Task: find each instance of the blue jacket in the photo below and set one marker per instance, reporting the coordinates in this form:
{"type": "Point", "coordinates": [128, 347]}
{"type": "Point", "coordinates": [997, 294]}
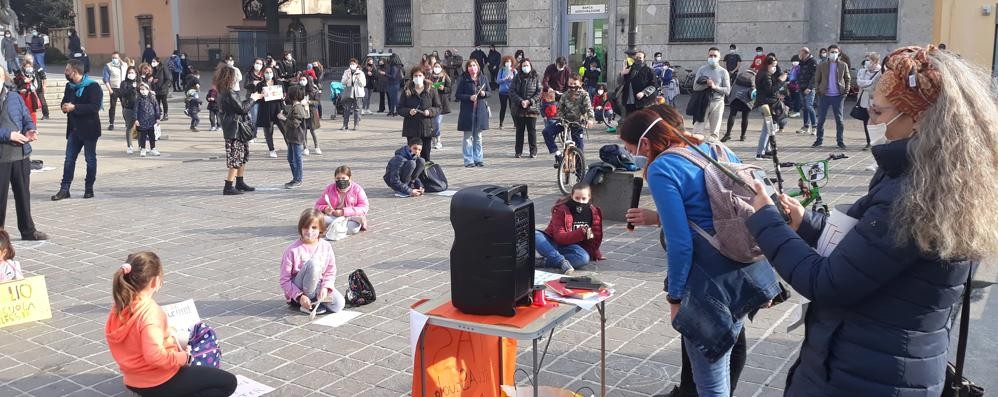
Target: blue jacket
{"type": "Point", "coordinates": [393, 172]}
{"type": "Point", "coordinates": [18, 112]}
{"type": "Point", "coordinates": [147, 112]}
{"type": "Point", "coordinates": [503, 82]}
{"type": "Point", "coordinates": [471, 112]}
{"type": "Point", "coordinates": [879, 320]}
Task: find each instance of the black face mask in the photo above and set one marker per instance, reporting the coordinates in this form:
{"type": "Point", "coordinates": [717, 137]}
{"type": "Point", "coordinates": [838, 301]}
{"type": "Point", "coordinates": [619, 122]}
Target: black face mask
{"type": "Point", "coordinates": [342, 184]}
{"type": "Point", "coordinates": [577, 207]}
{"type": "Point", "coordinates": [69, 77]}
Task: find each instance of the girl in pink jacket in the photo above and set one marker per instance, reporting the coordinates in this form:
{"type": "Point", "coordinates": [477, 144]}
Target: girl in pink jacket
{"type": "Point", "coordinates": [308, 269]}
{"type": "Point", "coordinates": [345, 205]}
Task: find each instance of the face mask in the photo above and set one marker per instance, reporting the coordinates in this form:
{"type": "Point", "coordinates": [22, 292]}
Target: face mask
{"type": "Point", "coordinates": [115, 61]}
{"type": "Point", "coordinates": [509, 65]}
{"type": "Point", "coordinates": [823, 56]}
{"type": "Point", "coordinates": [437, 70]}
{"type": "Point", "coordinates": [155, 64]}
{"type": "Point", "coordinates": [639, 160]}
{"type": "Point", "coordinates": [525, 69]}
{"type": "Point", "coordinates": [143, 92]}
{"type": "Point", "coordinates": [577, 207]}
{"type": "Point", "coordinates": [732, 50]}
{"type": "Point", "coordinates": [772, 70]}
{"type": "Point", "coordinates": [712, 61]}
{"type": "Point", "coordinates": [34, 33]}
{"type": "Point", "coordinates": [183, 57]}
{"type": "Point", "coordinates": [560, 68]}
{"type": "Point", "coordinates": [658, 59]}
{"type": "Point", "coordinates": [878, 132]}
{"type": "Point", "coordinates": [311, 234]}
{"type": "Point", "coordinates": [303, 82]}
{"type": "Point", "coordinates": [599, 92]}
{"type": "Point", "coordinates": [574, 88]}
{"type": "Point", "coordinates": [29, 70]}
{"type": "Point", "coordinates": [639, 61]}
{"type": "Point", "coordinates": [417, 80]}
{"type": "Point", "coordinates": [353, 66]}
{"type": "Point", "coordinates": [288, 57]}
{"type": "Point", "coordinates": [6, 35]}
{"type": "Point", "coordinates": [131, 76]}
{"type": "Point", "coordinates": [795, 63]}
{"type": "Point", "coordinates": [342, 184]}
{"type": "Point", "coordinates": [268, 76]}
{"type": "Point", "coordinates": [257, 66]}
{"type": "Point", "coordinates": [758, 53]}
{"type": "Point", "coordinates": [833, 56]}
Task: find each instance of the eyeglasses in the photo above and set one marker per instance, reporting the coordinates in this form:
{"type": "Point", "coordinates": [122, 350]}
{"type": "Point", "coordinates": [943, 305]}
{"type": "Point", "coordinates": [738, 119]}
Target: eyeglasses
{"type": "Point", "coordinates": [574, 87]}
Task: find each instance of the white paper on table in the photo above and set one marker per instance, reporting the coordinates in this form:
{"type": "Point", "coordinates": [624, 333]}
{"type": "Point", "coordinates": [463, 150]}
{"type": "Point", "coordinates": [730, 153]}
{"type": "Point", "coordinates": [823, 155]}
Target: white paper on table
{"type": "Point", "coordinates": [417, 321]}
{"type": "Point", "coordinates": [586, 304]}
{"type": "Point", "coordinates": [182, 317]}
{"type": "Point", "coordinates": [446, 193]}
{"type": "Point", "coordinates": [246, 387]}
{"type": "Point", "coordinates": [541, 277]}
{"type": "Point", "coordinates": [837, 226]}
{"type": "Point", "coordinates": [336, 319]}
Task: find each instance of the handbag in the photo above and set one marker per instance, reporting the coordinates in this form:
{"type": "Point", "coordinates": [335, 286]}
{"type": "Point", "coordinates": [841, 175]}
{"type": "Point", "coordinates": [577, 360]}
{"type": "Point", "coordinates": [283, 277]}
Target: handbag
{"type": "Point", "coordinates": [158, 131]}
{"type": "Point", "coordinates": [859, 112]}
{"type": "Point", "coordinates": [244, 130]}
{"type": "Point", "coordinates": [360, 291]}
{"type": "Point", "coordinates": [956, 385]}
{"type": "Point", "coordinates": [433, 178]}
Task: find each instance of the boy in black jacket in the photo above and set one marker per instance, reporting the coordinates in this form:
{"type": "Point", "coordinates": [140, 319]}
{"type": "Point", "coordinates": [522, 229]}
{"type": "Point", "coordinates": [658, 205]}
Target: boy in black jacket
{"type": "Point", "coordinates": [403, 171]}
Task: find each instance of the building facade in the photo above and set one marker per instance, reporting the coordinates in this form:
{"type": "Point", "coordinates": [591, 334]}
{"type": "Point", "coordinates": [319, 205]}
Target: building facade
{"type": "Point", "coordinates": [682, 30]}
{"type": "Point", "coordinates": [969, 27]}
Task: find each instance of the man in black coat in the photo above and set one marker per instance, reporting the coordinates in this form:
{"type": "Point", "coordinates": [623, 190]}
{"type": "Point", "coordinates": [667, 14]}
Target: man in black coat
{"type": "Point", "coordinates": [81, 103]}
{"type": "Point", "coordinates": [495, 58]}
{"type": "Point", "coordinates": [641, 84]}
{"type": "Point", "coordinates": [479, 56]}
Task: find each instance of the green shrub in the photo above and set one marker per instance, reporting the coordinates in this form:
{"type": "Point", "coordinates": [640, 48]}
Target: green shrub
{"type": "Point", "coordinates": [53, 55]}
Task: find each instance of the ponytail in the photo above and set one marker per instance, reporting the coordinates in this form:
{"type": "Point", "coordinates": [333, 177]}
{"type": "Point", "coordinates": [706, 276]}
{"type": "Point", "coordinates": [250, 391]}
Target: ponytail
{"type": "Point", "coordinates": [133, 277]}
{"type": "Point", "coordinates": [122, 291]}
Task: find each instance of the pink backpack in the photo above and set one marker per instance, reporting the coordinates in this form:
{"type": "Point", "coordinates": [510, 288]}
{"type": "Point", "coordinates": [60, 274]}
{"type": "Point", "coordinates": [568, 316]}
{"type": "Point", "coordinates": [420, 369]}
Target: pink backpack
{"type": "Point", "coordinates": [730, 203]}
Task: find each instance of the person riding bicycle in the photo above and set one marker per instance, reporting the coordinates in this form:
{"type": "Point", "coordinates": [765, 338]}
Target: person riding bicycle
{"type": "Point", "coordinates": [574, 107]}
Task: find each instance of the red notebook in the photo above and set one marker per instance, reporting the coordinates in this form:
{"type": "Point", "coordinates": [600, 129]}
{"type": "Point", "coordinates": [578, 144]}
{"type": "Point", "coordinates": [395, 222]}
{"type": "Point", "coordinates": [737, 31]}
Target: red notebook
{"type": "Point", "coordinates": [560, 288]}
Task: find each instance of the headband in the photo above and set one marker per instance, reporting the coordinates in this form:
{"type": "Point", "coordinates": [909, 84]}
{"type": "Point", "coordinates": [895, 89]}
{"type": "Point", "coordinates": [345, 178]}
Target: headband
{"type": "Point", "coordinates": [910, 81]}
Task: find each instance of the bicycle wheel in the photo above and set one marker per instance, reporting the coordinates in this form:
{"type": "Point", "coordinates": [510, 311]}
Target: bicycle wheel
{"type": "Point", "coordinates": [610, 120]}
{"type": "Point", "coordinates": [571, 170]}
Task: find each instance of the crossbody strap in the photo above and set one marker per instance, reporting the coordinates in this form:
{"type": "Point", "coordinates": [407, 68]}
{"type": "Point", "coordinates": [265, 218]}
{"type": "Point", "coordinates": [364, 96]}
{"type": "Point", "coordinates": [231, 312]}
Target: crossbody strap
{"type": "Point", "coordinates": [961, 347]}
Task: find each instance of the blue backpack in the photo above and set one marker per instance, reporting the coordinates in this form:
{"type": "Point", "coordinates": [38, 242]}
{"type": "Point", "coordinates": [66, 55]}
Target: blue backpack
{"type": "Point", "coordinates": [204, 346]}
{"type": "Point", "coordinates": [615, 156]}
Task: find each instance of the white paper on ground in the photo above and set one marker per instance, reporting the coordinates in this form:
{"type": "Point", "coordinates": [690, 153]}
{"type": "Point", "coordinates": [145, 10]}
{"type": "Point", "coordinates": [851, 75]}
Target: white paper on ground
{"type": "Point", "coordinates": [336, 319]}
{"type": "Point", "coordinates": [43, 169]}
{"type": "Point", "coordinates": [247, 387]}
{"type": "Point", "coordinates": [837, 226]}
{"type": "Point", "coordinates": [446, 193]}
{"type": "Point", "coordinates": [417, 321]}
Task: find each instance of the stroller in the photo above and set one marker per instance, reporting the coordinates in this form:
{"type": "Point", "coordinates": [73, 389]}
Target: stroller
{"type": "Point", "coordinates": [335, 93]}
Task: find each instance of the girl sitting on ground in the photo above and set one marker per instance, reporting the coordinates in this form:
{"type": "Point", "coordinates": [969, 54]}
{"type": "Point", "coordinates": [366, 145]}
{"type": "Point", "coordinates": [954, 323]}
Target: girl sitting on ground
{"type": "Point", "coordinates": [151, 360]}
{"type": "Point", "coordinates": [345, 205]}
{"type": "Point", "coordinates": [308, 268]}
{"type": "Point", "coordinates": [10, 269]}
{"type": "Point", "coordinates": [574, 235]}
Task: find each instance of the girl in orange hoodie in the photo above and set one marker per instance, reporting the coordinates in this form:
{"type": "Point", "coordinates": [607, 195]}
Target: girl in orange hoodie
{"type": "Point", "coordinates": [152, 361]}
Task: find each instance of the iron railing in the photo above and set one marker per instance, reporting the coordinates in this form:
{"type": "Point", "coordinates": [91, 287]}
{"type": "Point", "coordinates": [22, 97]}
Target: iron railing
{"type": "Point", "coordinates": [869, 20]}
{"type": "Point", "coordinates": [692, 21]}
{"type": "Point", "coordinates": [398, 22]}
{"type": "Point", "coordinates": [245, 46]}
{"type": "Point", "coordinates": [490, 22]}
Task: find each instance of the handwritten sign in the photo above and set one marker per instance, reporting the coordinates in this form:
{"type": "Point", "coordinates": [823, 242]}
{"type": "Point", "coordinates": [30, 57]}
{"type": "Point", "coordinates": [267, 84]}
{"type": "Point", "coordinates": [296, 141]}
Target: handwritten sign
{"type": "Point", "coordinates": [182, 317]}
{"type": "Point", "coordinates": [273, 93]}
{"type": "Point", "coordinates": [23, 301]}
{"type": "Point", "coordinates": [246, 387]}
{"type": "Point", "coordinates": [836, 227]}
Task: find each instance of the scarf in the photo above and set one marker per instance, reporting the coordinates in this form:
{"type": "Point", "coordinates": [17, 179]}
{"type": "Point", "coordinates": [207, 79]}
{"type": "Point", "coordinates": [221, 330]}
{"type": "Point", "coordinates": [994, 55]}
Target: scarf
{"type": "Point", "coordinates": [83, 84]}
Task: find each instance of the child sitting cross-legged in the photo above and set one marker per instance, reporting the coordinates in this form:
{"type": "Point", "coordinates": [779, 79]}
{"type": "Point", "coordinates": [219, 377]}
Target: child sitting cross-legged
{"type": "Point", "coordinates": [345, 205]}
{"type": "Point", "coordinates": [308, 268]}
{"type": "Point", "coordinates": [574, 235]}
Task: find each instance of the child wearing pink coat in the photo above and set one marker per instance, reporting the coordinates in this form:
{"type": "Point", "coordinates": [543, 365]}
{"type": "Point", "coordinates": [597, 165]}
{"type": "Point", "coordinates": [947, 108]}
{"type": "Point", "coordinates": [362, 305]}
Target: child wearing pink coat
{"type": "Point", "coordinates": [308, 269]}
{"type": "Point", "coordinates": [344, 204]}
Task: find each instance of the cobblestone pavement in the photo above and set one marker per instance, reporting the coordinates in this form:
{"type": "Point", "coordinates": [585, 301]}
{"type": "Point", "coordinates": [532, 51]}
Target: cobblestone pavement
{"type": "Point", "coordinates": [224, 253]}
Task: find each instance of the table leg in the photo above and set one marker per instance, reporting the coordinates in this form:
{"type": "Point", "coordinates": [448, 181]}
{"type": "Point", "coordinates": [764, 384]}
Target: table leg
{"type": "Point", "coordinates": [537, 371]}
{"type": "Point", "coordinates": [422, 361]}
{"type": "Point", "coordinates": [602, 348]}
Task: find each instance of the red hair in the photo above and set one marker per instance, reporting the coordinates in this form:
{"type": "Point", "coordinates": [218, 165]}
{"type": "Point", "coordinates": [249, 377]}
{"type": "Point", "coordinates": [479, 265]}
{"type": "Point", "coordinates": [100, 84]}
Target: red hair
{"type": "Point", "coordinates": [662, 136]}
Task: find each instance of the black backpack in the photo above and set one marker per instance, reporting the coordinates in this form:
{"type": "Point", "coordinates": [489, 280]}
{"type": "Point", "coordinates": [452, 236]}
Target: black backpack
{"type": "Point", "coordinates": [433, 178]}
{"type": "Point", "coordinates": [360, 291]}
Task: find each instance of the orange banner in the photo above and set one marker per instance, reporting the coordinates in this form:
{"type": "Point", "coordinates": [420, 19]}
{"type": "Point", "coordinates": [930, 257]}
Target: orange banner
{"type": "Point", "coordinates": [460, 363]}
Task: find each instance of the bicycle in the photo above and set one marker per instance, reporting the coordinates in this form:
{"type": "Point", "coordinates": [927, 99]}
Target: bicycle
{"type": "Point", "coordinates": [608, 117]}
{"type": "Point", "coordinates": [686, 83]}
{"type": "Point", "coordinates": [813, 175]}
{"type": "Point", "coordinates": [573, 161]}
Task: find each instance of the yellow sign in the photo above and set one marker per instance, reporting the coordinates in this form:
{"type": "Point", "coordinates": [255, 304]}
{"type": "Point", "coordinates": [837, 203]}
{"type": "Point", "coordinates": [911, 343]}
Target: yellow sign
{"type": "Point", "coordinates": [23, 301]}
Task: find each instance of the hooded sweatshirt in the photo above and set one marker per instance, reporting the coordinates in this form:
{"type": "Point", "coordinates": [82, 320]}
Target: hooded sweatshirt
{"type": "Point", "coordinates": [141, 344]}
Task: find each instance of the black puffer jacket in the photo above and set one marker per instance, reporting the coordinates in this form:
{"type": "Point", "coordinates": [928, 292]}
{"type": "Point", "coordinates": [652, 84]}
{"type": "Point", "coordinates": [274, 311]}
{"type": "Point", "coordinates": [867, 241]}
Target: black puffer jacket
{"type": "Point", "coordinates": [767, 89]}
{"type": "Point", "coordinates": [805, 78]}
{"type": "Point", "coordinates": [164, 80]}
{"type": "Point", "coordinates": [419, 125]}
{"type": "Point", "coordinates": [525, 87]}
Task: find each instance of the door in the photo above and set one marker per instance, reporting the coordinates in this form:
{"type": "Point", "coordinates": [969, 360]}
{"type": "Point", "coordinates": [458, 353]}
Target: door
{"type": "Point", "coordinates": [145, 31]}
{"type": "Point", "coordinates": [344, 43]}
{"type": "Point", "coordinates": [586, 26]}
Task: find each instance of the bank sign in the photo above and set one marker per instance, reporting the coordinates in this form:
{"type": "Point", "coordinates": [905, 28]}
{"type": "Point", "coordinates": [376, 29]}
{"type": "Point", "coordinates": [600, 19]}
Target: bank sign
{"type": "Point", "coordinates": [587, 9]}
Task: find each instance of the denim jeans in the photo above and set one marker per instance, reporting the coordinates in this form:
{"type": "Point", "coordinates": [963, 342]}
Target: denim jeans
{"type": "Point", "coordinates": [834, 102]}
{"type": "Point", "coordinates": [553, 254]}
{"type": "Point", "coordinates": [13, 65]}
{"type": "Point", "coordinates": [437, 122]}
{"type": "Point", "coordinates": [713, 378]}
{"type": "Point", "coordinates": [295, 161]}
{"type": "Point", "coordinates": [472, 150]}
{"type": "Point", "coordinates": [75, 144]}
{"type": "Point", "coordinates": [393, 97]}
{"type": "Point", "coordinates": [768, 127]}
{"type": "Point", "coordinates": [808, 110]}
{"type": "Point", "coordinates": [367, 99]}
{"type": "Point", "coordinates": [551, 132]}
{"type": "Point", "coordinates": [39, 60]}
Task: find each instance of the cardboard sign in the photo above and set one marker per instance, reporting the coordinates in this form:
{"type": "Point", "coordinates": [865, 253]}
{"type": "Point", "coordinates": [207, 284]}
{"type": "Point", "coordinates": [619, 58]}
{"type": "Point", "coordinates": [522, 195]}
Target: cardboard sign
{"type": "Point", "coordinates": [273, 93]}
{"type": "Point", "coordinates": [182, 317]}
{"type": "Point", "coordinates": [23, 301]}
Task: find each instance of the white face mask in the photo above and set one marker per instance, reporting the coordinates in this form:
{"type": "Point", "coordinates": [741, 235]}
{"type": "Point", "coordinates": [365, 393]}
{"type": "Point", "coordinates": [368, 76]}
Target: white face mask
{"type": "Point", "coordinates": [268, 76]}
{"type": "Point", "coordinates": [257, 66]}
{"type": "Point", "coordinates": [795, 63]}
{"type": "Point", "coordinates": [155, 64]}
{"type": "Point", "coordinates": [772, 70]}
{"type": "Point", "coordinates": [311, 234]}
{"type": "Point", "coordinates": [353, 66]}
{"type": "Point", "coordinates": [29, 70]}
{"type": "Point", "coordinates": [437, 70]}
{"type": "Point", "coordinates": [131, 76]}
{"type": "Point", "coordinates": [833, 56]}
{"type": "Point", "coordinates": [731, 50]}
{"type": "Point", "coordinates": [640, 160]}
{"type": "Point", "coordinates": [230, 63]}
{"type": "Point", "coordinates": [712, 61]}
{"type": "Point", "coordinates": [758, 53]}
{"type": "Point", "coordinates": [878, 132]}
{"type": "Point", "coordinates": [599, 92]}
{"type": "Point", "coordinates": [417, 80]}
{"type": "Point", "coordinates": [303, 82]}
{"type": "Point", "coordinates": [526, 69]}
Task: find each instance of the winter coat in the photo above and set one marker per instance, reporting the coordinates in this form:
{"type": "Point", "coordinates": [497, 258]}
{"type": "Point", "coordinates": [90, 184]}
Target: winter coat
{"type": "Point", "coordinates": [392, 172]}
{"type": "Point", "coordinates": [85, 120]}
{"type": "Point", "coordinates": [127, 94]}
{"type": "Point", "coordinates": [879, 319]}
{"type": "Point", "coordinates": [560, 230]}
{"type": "Point", "coordinates": [294, 126]}
{"type": "Point", "coordinates": [420, 125]}
{"type": "Point", "coordinates": [288, 69]}
{"type": "Point", "coordinates": [212, 100]}
{"type": "Point", "coordinates": [505, 78]}
{"type": "Point", "coordinates": [15, 108]}
{"type": "Point", "coordinates": [525, 86]}
{"type": "Point", "coordinates": [147, 112]}
{"type": "Point", "coordinates": [767, 89]}
{"type": "Point", "coordinates": [10, 49]}
{"type": "Point", "coordinates": [393, 76]}
{"type": "Point", "coordinates": [37, 45]}
{"type": "Point", "coordinates": [164, 80]}
{"type": "Point", "coordinates": [554, 79]}
{"type": "Point", "coordinates": [174, 64]}
{"type": "Point", "coordinates": [74, 45]}
{"type": "Point", "coordinates": [805, 78]}
{"type": "Point", "coordinates": [576, 107]}
{"type": "Point", "coordinates": [867, 82]}
{"type": "Point", "coordinates": [477, 112]}
{"type": "Point", "coordinates": [266, 113]}
{"type": "Point", "coordinates": [231, 110]}
{"type": "Point", "coordinates": [354, 83]}
{"type": "Point", "coordinates": [443, 92]}
{"type": "Point", "coordinates": [642, 79]}
{"type": "Point", "coordinates": [252, 80]}
{"type": "Point", "coordinates": [355, 203]}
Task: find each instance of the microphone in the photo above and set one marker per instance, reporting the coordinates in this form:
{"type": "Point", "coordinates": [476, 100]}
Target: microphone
{"type": "Point", "coordinates": [638, 183]}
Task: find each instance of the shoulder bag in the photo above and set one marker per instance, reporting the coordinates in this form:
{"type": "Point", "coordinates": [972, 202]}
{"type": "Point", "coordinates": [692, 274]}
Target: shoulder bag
{"type": "Point", "coordinates": [956, 385]}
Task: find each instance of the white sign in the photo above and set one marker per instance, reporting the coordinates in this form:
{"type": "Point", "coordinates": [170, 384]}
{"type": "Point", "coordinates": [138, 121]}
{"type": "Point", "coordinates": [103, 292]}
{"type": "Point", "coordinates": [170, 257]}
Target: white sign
{"type": "Point", "coordinates": [587, 9]}
{"type": "Point", "coordinates": [182, 317]}
{"type": "Point", "coordinates": [836, 227]}
{"type": "Point", "coordinates": [246, 387]}
{"type": "Point", "coordinates": [337, 319]}
{"type": "Point", "coordinates": [273, 93]}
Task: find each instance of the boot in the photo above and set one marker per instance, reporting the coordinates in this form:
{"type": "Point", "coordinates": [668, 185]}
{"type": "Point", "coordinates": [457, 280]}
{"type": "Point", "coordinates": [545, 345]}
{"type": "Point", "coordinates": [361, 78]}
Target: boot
{"type": "Point", "coordinates": [229, 190]}
{"type": "Point", "coordinates": [242, 186]}
{"type": "Point", "coordinates": [742, 138]}
{"type": "Point", "coordinates": [726, 137]}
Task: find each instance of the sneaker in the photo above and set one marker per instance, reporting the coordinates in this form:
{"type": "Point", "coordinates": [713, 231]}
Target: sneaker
{"type": "Point", "coordinates": [566, 267]}
{"type": "Point", "coordinates": [472, 165]}
{"type": "Point", "coordinates": [129, 150]}
{"type": "Point", "coordinates": [867, 147]}
{"type": "Point", "coordinates": [87, 194]}
{"type": "Point", "coordinates": [142, 153]}
{"type": "Point", "coordinates": [317, 150]}
{"type": "Point", "coordinates": [803, 130]}
{"type": "Point", "coordinates": [292, 185]}
{"type": "Point", "coordinates": [273, 154]}
{"type": "Point", "coordinates": [794, 115]}
{"type": "Point", "coordinates": [438, 146]}
{"type": "Point", "coordinates": [557, 161]}
{"type": "Point", "coordinates": [110, 127]}
{"type": "Point", "coordinates": [479, 164]}
{"type": "Point", "coordinates": [816, 144]}
{"type": "Point", "coordinates": [320, 309]}
{"type": "Point", "coordinates": [35, 236]}
{"type": "Point", "coordinates": [154, 152]}
{"type": "Point", "coordinates": [195, 129]}
{"type": "Point", "coordinates": [813, 131]}
{"type": "Point", "coordinates": [400, 195]}
{"type": "Point", "coordinates": [306, 152]}
{"type": "Point", "coordinates": [842, 146]}
{"type": "Point", "coordinates": [760, 157]}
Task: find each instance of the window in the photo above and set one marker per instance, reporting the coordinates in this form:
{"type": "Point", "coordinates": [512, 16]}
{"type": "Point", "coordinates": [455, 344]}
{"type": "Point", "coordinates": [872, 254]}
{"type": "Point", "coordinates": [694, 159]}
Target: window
{"type": "Point", "coordinates": [398, 22]}
{"type": "Point", "coordinates": [692, 20]}
{"type": "Point", "coordinates": [869, 20]}
{"type": "Point", "coordinates": [490, 22]}
{"type": "Point", "coordinates": [91, 22]}
{"type": "Point", "coordinates": [105, 21]}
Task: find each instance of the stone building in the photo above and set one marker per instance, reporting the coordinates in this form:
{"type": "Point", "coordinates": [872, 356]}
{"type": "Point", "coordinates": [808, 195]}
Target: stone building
{"type": "Point", "coordinates": [681, 29]}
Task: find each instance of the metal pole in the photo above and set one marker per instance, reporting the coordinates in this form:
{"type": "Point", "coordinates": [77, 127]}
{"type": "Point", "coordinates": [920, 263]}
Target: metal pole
{"type": "Point", "coordinates": [632, 26]}
{"type": "Point", "coordinates": [274, 45]}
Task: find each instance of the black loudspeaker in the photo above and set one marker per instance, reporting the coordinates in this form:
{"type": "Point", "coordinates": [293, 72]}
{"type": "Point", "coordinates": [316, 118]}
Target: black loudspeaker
{"type": "Point", "coordinates": [492, 260]}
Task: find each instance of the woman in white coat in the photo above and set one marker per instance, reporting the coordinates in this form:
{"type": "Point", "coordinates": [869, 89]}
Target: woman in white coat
{"type": "Point", "coordinates": [353, 82]}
